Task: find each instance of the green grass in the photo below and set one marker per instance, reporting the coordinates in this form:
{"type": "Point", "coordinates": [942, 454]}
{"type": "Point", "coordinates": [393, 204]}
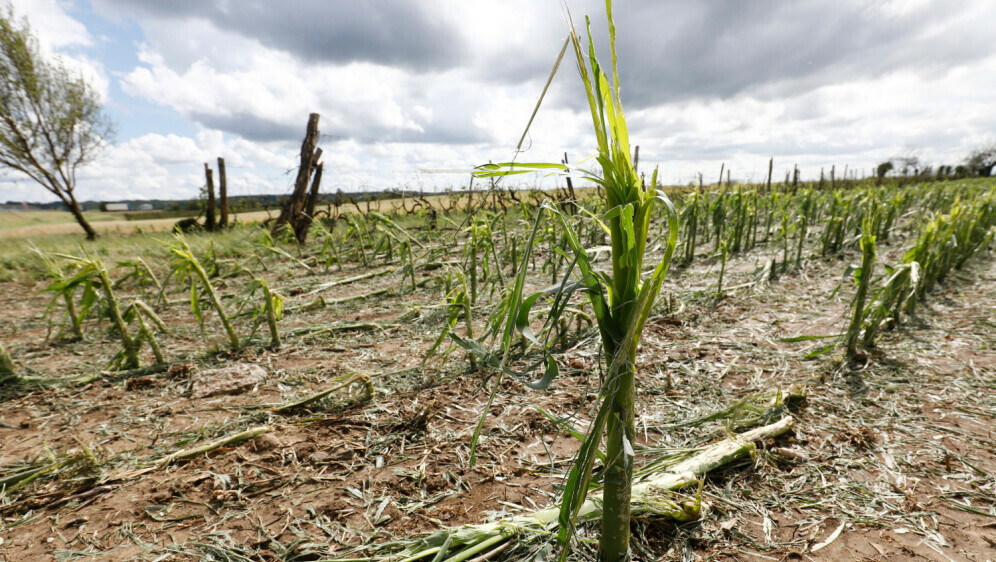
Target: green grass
{"type": "Point", "coordinates": [10, 220]}
{"type": "Point", "coordinates": [18, 261]}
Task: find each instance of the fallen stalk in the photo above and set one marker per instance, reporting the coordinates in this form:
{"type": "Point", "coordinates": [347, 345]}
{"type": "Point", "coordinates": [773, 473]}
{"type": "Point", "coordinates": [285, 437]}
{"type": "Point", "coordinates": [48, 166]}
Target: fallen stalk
{"type": "Point", "coordinates": [175, 302]}
{"type": "Point", "coordinates": [192, 453]}
{"type": "Point", "coordinates": [348, 280]}
{"type": "Point", "coordinates": [188, 454]}
{"type": "Point", "coordinates": [347, 381]}
{"type": "Point", "coordinates": [649, 496]}
{"type": "Point", "coordinates": [18, 479]}
{"type": "Point", "coordinates": [330, 329]}
{"type": "Point", "coordinates": [322, 303]}
{"type": "Point", "coordinates": [85, 379]}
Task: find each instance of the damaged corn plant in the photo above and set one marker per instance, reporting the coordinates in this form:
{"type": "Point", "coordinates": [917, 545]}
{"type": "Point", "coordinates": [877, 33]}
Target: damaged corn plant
{"type": "Point", "coordinates": [271, 310]}
{"type": "Point", "coordinates": [66, 293]}
{"type": "Point", "coordinates": [526, 537]}
{"type": "Point", "coordinates": [90, 273]}
{"type": "Point", "coordinates": [621, 300]}
{"type": "Point", "coordinates": [945, 243]}
{"type": "Point", "coordinates": [187, 266]}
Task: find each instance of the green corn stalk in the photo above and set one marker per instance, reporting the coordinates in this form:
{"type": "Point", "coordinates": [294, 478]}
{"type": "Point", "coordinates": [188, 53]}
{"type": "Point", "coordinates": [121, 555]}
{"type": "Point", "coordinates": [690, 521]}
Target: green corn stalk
{"type": "Point", "coordinates": [140, 272]}
{"type": "Point", "coordinates": [75, 318]}
{"type": "Point", "coordinates": [137, 311]}
{"type": "Point", "coordinates": [947, 241]}
{"type": "Point", "coordinates": [66, 292]}
{"type": "Point", "coordinates": [272, 309]}
{"type": "Point", "coordinates": [453, 307]}
{"type": "Point", "coordinates": [827, 237]}
{"type": "Point", "coordinates": [489, 237]}
{"type": "Point", "coordinates": [185, 264]}
{"type": "Point", "coordinates": [471, 249]}
{"type": "Point", "coordinates": [468, 316]}
{"type": "Point", "coordinates": [409, 259]}
{"type": "Point", "coordinates": [552, 258]}
{"type": "Point", "coordinates": [6, 362]}
{"type": "Point", "coordinates": [360, 233]}
{"type": "Point", "coordinates": [837, 225]}
{"type": "Point", "coordinates": [900, 286]}
{"type": "Point", "coordinates": [769, 206]}
{"type": "Point", "coordinates": [802, 225]}
{"type": "Point", "coordinates": [802, 228]}
{"type": "Point", "coordinates": [862, 277]}
{"type": "Point", "coordinates": [499, 223]}
{"type": "Point", "coordinates": [145, 333]}
{"type": "Point", "coordinates": [786, 214]}
{"type": "Point", "coordinates": [895, 208]}
{"type": "Point", "coordinates": [130, 345]}
{"type": "Point", "coordinates": [691, 227]}
{"type": "Point", "coordinates": [740, 220]}
{"type": "Point", "coordinates": [90, 271]}
{"type": "Point", "coordinates": [723, 254]}
{"type": "Point", "coordinates": [455, 302]}
{"type": "Point", "coordinates": [752, 233]}
{"type": "Point", "coordinates": [718, 216]}
{"type": "Point", "coordinates": [330, 249]}
{"type": "Point", "coordinates": [405, 241]}
{"type": "Point", "coordinates": [621, 302]}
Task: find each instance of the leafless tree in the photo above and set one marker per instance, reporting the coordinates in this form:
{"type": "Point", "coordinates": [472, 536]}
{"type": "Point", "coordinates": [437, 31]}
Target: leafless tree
{"type": "Point", "coordinates": [982, 160]}
{"type": "Point", "coordinates": [909, 160]}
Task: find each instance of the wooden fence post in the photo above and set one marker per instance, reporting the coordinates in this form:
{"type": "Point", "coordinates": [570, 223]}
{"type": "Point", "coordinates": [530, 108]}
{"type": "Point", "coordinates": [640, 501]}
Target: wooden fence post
{"type": "Point", "coordinates": [222, 193]}
{"type": "Point", "coordinates": [295, 203]}
{"type": "Point", "coordinates": [209, 222]}
{"type": "Point", "coordinates": [304, 223]}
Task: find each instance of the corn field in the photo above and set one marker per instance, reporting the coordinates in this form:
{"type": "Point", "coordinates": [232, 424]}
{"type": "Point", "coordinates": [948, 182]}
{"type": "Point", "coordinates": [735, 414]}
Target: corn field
{"type": "Point", "coordinates": [495, 296]}
{"type": "Point", "coordinates": [611, 370]}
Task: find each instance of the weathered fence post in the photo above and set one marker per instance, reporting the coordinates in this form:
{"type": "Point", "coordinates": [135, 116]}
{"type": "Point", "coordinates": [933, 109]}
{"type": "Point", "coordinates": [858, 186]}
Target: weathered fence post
{"type": "Point", "coordinates": [222, 194]}
{"type": "Point", "coordinates": [304, 222]}
{"type": "Point", "coordinates": [295, 203]}
{"type": "Point", "coordinates": [209, 222]}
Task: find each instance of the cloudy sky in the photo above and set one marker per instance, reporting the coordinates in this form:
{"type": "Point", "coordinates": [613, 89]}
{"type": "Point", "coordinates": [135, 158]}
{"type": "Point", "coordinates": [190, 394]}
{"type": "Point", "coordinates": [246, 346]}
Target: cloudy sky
{"type": "Point", "coordinates": [404, 86]}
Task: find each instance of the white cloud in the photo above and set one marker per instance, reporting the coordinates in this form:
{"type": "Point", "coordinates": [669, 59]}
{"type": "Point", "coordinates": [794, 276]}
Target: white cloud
{"type": "Point", "coordinates": [906, 73]}
{"type": "Point", "coordinates": [274, 93]}
{"type": "Point", "coordinates": [54, 28]}
{"type": "Point", "coordinates": [858, 123]}
{"type": "Point", "coordinates": [170, 167]}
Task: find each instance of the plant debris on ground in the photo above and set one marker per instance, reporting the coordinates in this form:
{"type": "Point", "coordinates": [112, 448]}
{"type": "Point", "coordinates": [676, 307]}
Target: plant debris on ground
{"type": "Point", "coordinates": [350, 440]}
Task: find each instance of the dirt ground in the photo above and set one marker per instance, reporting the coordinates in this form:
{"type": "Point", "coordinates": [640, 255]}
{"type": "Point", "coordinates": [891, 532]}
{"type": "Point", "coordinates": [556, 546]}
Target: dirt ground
{"type": "Point", "coordinates": [893, 459]}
